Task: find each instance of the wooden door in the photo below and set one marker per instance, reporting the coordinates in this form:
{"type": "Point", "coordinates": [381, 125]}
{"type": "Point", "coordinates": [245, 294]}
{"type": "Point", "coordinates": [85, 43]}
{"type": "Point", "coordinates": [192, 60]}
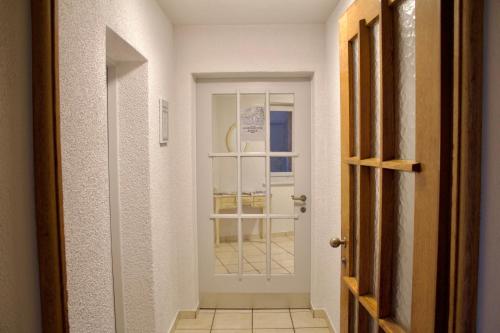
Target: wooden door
{"type": "Point", "coordinates": [392, 148]}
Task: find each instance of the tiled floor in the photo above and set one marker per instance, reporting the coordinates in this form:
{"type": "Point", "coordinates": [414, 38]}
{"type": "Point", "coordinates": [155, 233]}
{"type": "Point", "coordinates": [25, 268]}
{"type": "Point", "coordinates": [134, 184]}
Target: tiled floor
{"type": "Point", "coordinates": [254, 256]}
{"type": "Point", "coordinates": [253, 321]}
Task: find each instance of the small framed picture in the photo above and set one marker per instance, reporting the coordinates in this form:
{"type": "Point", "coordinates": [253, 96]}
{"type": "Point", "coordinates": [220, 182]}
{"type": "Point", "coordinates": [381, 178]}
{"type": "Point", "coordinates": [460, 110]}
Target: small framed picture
{"type": "Point", "coordinates": [163, 121]}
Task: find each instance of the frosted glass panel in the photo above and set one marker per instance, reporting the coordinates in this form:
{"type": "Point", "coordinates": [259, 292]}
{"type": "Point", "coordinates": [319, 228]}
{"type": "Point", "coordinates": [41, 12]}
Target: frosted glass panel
{"type": "Point", "coordinates": [355, 219]}
{"type": "Point", "coordinates": [404, 23]}
{"type": "Point", "coordinates": [403, 247]}
{"type": "Point", "coordinates": [375, 221]}
{"type": "Point", "coordinates": [404, 75]}
{"type": "Point", "coordinates": [224, 123]}
{"type": "Point", "coordinates": [355, 87]}
{"type": "Point", "coordinates": [375, 89]}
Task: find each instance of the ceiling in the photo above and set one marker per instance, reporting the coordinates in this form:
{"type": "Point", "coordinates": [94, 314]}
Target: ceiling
{"type": "Point", "coordinates": [247, 11]}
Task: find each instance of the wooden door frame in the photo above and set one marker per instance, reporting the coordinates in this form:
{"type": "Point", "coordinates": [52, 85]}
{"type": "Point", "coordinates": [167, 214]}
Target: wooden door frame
{"type": "Point", "coordinates": [47, 166]}
{"type": "Point", "coordinates": [449, 104]}
{"type": "Point", "coordinates": [463, 162]}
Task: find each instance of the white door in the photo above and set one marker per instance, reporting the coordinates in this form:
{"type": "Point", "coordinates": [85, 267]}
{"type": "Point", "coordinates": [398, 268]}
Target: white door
{"type": "Point", "coordinates": [253, 139]}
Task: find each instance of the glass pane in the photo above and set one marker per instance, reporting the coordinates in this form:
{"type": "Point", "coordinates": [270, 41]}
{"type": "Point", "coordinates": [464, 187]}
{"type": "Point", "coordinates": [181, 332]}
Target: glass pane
{"type": "Point", "coordinates": [224, 123]}
{"type": "Point", "coordinates": [404, 75]}
{"type": "Point", "coordinates": [281, 140]}
{"type": "Point", "coordinates": [254, 246]}
{"type": "Point", "coordinates": [253, 121]}
{"type": "Point", "coordinates": [282, 246]}
{"type": "Point", "coordinates": [281, 118]}
{"type": "Point", "coordinates": [375, 89]}
{"type": "Point", "coordinates": [403, 248]}
{"type": "Point", "coordinates": [253, 185]}
{"type": "Point", "coordinates": [355, 218]}
{"type": "Point", "coordinates": [375, 220]}
{"type": "Point", "coordinates": [226, 246]}
{"type": "Point", "coordinates": [225, 184]}
{"type": "Point", "coordinates": [404, 53]}
{"type": "Point", "coordinates": [282, 189]}
{"type": "Point", "coordinates": [355, 89]}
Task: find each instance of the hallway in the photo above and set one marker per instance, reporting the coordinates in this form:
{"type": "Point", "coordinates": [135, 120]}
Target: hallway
{"type": "Point", "coordinates": [249, 166]}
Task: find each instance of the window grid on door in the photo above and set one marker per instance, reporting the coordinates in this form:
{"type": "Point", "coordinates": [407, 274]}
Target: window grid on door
{"type": "Point", "coordinates": [373, 308]}
{"type": "Point", "coordinates": [239, 155]}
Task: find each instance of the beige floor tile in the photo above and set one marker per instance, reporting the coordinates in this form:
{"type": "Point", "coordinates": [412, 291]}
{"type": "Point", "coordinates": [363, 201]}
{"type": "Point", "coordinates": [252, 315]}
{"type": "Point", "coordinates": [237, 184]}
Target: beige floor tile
{"type": "Point", "coordinates": [252, 251]}
{"type": "Point", "coordinates": [192, 331]}
{"type": "Point", "coordinates": [202, 321]}
{"type": "Point", "coordinates": [305, 319]}
{"type": "Point", "coordinates": [220, 270]}
{"type": "Point", "coordinates": [229, 260]}
{"type": "Point", "coordinates": [232, 320]}
{"type": "Point", "coordinates": [273, 330]}
{"type": "Point", "coordinates": [279, 270]}
{"type": "Point", "coordinates": [231, 331]}
{"type": "Point", "coordinates": [300, 310]}
{"type": "Point", "coordinates": [232, 268]}
{"type": "Point", "coordinates": [234, 310]}
{"type": "Point", "coordinates": [272, 320]}
{"type": "Point", "coordinates": [258, 258]}
{"type": "Point", "coordinates": [270, 310]}
{"type": "Point", "coordinates": [312, 330]}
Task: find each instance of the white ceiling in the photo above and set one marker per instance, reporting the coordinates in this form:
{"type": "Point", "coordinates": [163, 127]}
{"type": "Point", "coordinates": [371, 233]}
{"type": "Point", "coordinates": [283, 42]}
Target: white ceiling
{"type": "Point", "coordinates": [247, 11]}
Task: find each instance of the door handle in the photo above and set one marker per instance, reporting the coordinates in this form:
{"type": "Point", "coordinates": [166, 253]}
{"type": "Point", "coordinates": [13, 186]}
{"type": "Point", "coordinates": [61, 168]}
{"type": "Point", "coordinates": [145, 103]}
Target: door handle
{"type": "Point", "coordinates": [302, 198]}
{"type": "Point", "coordinates": [336, 242]}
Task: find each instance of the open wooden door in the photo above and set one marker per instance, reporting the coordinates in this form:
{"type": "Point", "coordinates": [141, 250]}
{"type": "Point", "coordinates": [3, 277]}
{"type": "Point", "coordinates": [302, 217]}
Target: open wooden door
{"type": "Point", "coordinates": [395, 188]}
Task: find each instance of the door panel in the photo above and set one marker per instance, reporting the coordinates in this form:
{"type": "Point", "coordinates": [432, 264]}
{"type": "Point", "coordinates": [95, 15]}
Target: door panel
{"type": "Point", "coordinates": [381, 136]}
{"type": "Point", "coordinates": [253, 165]}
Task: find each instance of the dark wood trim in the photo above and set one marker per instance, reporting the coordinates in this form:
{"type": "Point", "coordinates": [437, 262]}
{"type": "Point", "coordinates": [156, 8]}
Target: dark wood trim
{"type": "Point", "coordinates": [47, 166]}
{"type": "Point", "coordinates": [466, 164]}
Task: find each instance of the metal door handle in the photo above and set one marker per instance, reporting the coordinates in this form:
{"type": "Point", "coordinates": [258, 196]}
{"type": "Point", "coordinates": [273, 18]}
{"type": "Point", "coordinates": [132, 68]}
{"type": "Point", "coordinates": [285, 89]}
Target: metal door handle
{"type": "Point", "coordinates": [302, 198]}
{"type": "Point", "coordinates": [336, 242]}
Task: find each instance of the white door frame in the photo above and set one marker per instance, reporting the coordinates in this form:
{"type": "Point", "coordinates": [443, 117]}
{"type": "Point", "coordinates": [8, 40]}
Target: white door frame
{"type": "Point", "coordinates": [211, 284]}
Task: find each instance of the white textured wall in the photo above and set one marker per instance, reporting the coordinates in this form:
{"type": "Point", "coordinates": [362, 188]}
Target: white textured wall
{"type": "Point", "coordinates": [327, 284]}
{"type": "Point", "coordinates": [259, 48]}
{"type": "Point", "coordinates": [19, 291]}
{"type": "Point", "coordinates": [488, 309]}
{"type": "Point", "coordinates": [85, 167]}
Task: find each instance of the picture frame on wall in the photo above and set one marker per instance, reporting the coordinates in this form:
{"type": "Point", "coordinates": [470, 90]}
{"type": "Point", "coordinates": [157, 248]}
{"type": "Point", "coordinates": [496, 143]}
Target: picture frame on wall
{"type": "Point", "coordinates": [163, 121]}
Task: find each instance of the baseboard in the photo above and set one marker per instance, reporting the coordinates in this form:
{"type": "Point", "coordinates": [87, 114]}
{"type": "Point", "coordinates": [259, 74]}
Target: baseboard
{"type": "Point", "coordinates": [183, 314]}
{"type": "Point", "coordinates": [321, 313]}
{"type": "Point", "coordinates": [254, 300]}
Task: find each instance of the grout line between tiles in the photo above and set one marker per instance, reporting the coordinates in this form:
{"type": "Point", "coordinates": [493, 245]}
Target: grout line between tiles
{"type": "Point", "coordinates": [213, 320]}
{"type": "Point", "coordinates": [291, 319]}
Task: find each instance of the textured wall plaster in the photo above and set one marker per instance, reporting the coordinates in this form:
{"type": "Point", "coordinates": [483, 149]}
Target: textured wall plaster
{"type": "Point", "coordinates": [326, 286]}
{"type": "Point", "coordinates": [150, 271]}
{"type": "Point", "coordinates": [19, 291]}
{"type": "Point", "coordinates": [257, 48]}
